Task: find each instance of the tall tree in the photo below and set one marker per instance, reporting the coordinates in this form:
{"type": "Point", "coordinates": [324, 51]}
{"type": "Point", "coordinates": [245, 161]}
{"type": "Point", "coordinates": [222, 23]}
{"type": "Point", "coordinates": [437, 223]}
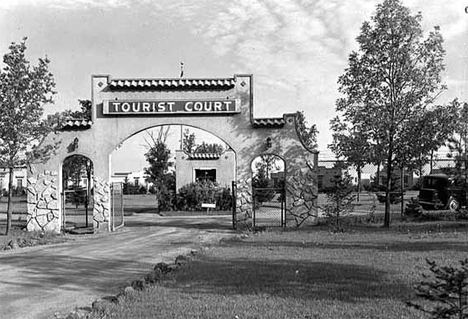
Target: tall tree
{"type": "Point", "coordinates": [158, 157]}
{"type": "Point", "coordinates": [391, 81]}
{"type": "Point", "coordinates": [24, 90]}
{"type": "Point", "coordinates": [188, 141]}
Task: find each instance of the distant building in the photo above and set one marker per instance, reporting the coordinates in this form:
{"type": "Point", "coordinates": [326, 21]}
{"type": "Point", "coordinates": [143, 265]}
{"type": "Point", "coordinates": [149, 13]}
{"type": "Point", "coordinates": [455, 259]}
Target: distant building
{"type": "Point", "coordinates": [19, 179]}
{"type": "Point", "coordinates": [408, 177]}
{"type": "Point", "coordinates": [201, 166]}
{"type": "Point", "coordinates": [325, 176]}
{"type": "Point", "coordinates": [136, 179]}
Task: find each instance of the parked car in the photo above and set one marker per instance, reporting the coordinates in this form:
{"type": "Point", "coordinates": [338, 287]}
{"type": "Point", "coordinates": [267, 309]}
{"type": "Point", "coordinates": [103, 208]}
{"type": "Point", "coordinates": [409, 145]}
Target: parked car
{"type": "Point", "coordinates": [439, 191]}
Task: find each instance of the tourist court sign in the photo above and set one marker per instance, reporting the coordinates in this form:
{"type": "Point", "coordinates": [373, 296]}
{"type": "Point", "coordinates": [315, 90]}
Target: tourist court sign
{"type": "Point", "coordinates": [171, 107]}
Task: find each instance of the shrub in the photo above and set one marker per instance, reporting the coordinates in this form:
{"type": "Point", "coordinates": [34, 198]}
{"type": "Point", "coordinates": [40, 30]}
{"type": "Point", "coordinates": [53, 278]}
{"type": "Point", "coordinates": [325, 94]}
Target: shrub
{"type": "Point", "coordinates": [447, 291]}
{"type": "Point", "coordinates": [191, 196]}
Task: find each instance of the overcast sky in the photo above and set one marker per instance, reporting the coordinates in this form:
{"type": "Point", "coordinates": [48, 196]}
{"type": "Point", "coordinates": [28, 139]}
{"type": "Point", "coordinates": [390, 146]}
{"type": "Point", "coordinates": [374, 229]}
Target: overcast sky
{"type": "Point", "coordinates": [296, 49]}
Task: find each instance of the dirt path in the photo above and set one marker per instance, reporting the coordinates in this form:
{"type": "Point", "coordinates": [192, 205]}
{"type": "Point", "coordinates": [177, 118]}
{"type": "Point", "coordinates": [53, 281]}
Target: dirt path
{"type": "Point", "coordinates": [39, 281]}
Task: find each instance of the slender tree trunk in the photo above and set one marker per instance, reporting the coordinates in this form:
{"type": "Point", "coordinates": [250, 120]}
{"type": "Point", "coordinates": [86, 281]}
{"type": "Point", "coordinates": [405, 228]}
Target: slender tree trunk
{"type": "Point", "coordinates": [402, 189]}
{"type": "Point", "coordinates": [389, 186]}
{"type": "Point", "coordinates": [359, 171]}
{"type": "Point", "coordinates": [377, 182]}
{"type": "Point", "coordinates": [431, 164]}
{"type": "Point", "coordinates": [9, 204]}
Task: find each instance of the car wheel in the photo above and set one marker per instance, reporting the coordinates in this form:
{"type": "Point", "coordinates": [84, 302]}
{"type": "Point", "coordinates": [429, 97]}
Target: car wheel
{"type": "Point", "coordinates": [453, 204]}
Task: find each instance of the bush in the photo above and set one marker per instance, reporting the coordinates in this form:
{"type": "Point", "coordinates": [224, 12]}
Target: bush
{"type": "Point", "coordinates": [446, 290]}
{"type": "Point", "coordinates": [191, 196]}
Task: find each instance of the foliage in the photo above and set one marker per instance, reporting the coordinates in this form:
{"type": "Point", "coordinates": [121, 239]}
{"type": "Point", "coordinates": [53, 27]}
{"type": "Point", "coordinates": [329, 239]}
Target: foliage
{"type": "Point", "coordinates": [447, 291]}
{"type": "Point", "coordinates": [188, 141]}
{"type": "Point", "coordinates": [339, 198]}
{"type": "Point", "coordinates": [457, 143]}
{"type": "Point", "coordinates": [261, 182]}
{"type": "Point", "coordinates": [352, 145]}
{"type": "Point", "coordinates": [413, 209]}
{"type": "Point", "coordinates": [209, 148]}
{"type": "Point", "coordinates": [390, 84]}
{"type": "Point", "coordinates": [189, 144]}
{"type": "Point", "coordinates": [307, 134]}
{"type": "Point", "coordinates": [191, 196]}
{"type": "Point", "coordinates": [75, 168]}
{"type": "Point", "coordinates": [24, 90]}
{"type": "Point", "coordinates": [158, 156]}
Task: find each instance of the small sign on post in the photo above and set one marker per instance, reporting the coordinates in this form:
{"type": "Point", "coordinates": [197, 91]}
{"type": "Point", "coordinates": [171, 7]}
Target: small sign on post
{"type": "Point", "coordinates": [208, 206]}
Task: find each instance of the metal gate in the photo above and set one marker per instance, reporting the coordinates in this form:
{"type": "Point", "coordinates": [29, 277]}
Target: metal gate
{"type": "Point", "coordinates": [76, 208]}
{"type": "Point", "coordinates": [117, 207]}
{"type": "Point", "coordinates": [234, 205]}
{"type": "Point", "coordinates": [268, 207]}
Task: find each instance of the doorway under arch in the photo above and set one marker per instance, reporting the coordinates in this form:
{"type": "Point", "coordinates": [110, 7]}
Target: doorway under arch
{"type": "Point", "coordinates": [268, 191]}
{"type": "Point", "coordinates": [198, 161]}
{"type": "Point", "coordinates": [77, 192]}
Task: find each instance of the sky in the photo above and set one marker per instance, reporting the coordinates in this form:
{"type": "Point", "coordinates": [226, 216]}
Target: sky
{"type": "Point", "coordinates": [295, 49]}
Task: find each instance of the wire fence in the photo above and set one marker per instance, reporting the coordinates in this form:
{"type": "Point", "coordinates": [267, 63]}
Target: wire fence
{"type": "Point", "coordinates": [370, 192]}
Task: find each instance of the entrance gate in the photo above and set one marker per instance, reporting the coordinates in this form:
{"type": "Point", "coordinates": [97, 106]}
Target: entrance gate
{"type": "Point", "coordinates": [76, 208]}
{"type": "Point", "coordinates": [268, 207]}
{"type": "Point", "coordinates": [121, 108]}
{"type": "Point", "coordinates": [117, 207]}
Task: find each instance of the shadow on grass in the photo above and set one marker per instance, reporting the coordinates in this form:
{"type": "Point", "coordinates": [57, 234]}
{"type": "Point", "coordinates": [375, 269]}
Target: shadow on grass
{"type": "Point", "coordinates": [289, 279]}
{"type": "Point", "coordinates": [417, 246]}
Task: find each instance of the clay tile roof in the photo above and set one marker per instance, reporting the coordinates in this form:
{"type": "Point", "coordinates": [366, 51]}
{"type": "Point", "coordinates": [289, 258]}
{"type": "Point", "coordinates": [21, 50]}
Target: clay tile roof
{"type": "Point", "coordinates": [204, 156]}
{"type": "Point", "coordinates": [271, 122]}
{"type": "Point", "coordinates": [76, 123]}
{"type": "Point", "coordinates": [171, 83]}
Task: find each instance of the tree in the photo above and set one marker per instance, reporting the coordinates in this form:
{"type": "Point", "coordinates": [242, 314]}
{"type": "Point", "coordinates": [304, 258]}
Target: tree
{"type": "Point", "coordinates": [188, 141]}
{"type": "Point", "coordinates": [447, 291]}
{"type": "Point", "coordinates": [262, 183]}
{"type": "Point", "coordinates": [74, 168]}
{"type": "Point", "coordinates": [340, 198]}
{"type": "Point", "coordinates": [24, 90]}
{"type": "Point", "coordinates": [84, 113]}
{"type": "Point", "coordinates": [391, 82]}
{"type": "Point", "coordinates": [307, 134]}
{"type": "Point", "coordinates": [207, 148]}
{"type": "Point", "coordinates": [352, 145]}
{"type": "Point", "coordinates": [457, 143]}
{"type": "Point", "coordinates": [158, 156]}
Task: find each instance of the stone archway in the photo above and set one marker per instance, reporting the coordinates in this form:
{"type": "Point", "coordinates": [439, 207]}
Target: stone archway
{"type": "Point", "coordinates": [77, 191]}
{"type": "Point", "coordinates": [223, 107]}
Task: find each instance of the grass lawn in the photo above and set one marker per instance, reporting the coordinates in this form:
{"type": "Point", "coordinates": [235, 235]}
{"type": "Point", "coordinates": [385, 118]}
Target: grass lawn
{"type": "Point", "coordinates": [310, 273]}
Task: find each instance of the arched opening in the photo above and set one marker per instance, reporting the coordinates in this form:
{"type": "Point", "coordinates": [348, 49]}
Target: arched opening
{"type": "Point", "coordinates": [77, 192]}
{"type": "Point", "coordinates": [268, 191]}
{"type": "Point", "coordinates": [175, 171]}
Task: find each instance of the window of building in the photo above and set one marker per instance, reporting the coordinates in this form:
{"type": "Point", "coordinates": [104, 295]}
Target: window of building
{"type": "Point", "coordinates": [205, 175]}
{"type": "Point", "coordinates": [19, 183]}
{"type": "Point", "coordinates": [137, 181]}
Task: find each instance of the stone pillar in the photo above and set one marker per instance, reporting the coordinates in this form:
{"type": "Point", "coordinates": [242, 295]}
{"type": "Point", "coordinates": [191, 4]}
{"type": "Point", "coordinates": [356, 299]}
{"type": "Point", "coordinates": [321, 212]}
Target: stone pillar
{"type": "Point", "coordinates": [101, 205]}
{"type": "Point", "coordinates": [244, 203]}
{"type": "Point", "coordinates": [301, 192]}
{"type": "Point", "coordinates": [43, 202]}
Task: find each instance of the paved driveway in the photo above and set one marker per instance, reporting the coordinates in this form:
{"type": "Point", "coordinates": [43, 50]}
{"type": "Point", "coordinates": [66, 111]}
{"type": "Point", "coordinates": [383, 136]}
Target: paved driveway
{"type": "Point", "coordinates": [39, 281]}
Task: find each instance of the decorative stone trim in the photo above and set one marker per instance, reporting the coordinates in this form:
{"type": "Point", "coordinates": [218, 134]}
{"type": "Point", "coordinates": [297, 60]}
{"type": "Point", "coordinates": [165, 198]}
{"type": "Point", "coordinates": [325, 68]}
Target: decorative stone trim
{"type": "Point", "coordinates": [244, 203]}
{"type": "Point", "coordinates": [301, 193]}
{"type": "Point", "coordinates": [101, 205]}
{"type": "Point", "coordinates": [43, 202]}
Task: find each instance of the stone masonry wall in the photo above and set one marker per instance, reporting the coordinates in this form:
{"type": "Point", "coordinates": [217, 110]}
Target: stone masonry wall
{"type": "Point", "coordinates": [43, 202]}
{"type": "Point", "coordinates": [101, 208]}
